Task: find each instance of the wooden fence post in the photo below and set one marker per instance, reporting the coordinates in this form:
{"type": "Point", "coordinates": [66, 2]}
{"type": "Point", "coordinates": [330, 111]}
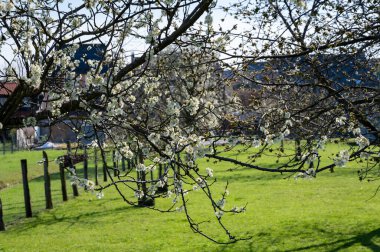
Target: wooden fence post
{"type": "Point", "coordinates": [123, 164]}
{"type": "Point", "coordinates": [75, 186]}
{"type": "Point", "coordinates": [311, 165]}
{"type": "Point", "coordinates": [3, 137]}
{"type": "Point", "coordinates": [85, 164]}
{"type": "Point", "coordinates": [75, 190]}
{"type": "Point", "coordinates": [160, 176]}
{"type": "Point", "coordinates": [282, 146]}
{"type": "Point", "coordinates": [105, 169]}
{"type": "Point", "coordinates": [159, 171]}
{"type": "Point", "coordinates": [129, 163]}
{"type": "Point", "coordinates": [49, 202]}
{"type": "Point", "coordinates": [144, 200]}
{"type": "Point", "coordinates": [28, 206]}
{"type": "Point", "coordinates": [96, 165]}
{"type": "Point", "coordinates": [63, 181]}
{"type": "Point", "coordinates": [12, 148]}
{"type": "Point", "coordinates": [151, 177]}
{"type": "Point", "coordinates": [2, 226]}
{"type": "Point", "coordinates": [298, 149]}
{"type": "Point", "coordinates": [115, 165]}
{"type": "Point", "coordinates": [68, 145]}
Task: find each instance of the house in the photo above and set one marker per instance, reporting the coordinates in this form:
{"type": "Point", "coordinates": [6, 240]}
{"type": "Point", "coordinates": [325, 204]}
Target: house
{"type": "Point", "coordinates": [63, 131]}
{"type": "Point", "coordinates": [6, 88]}
{"type": "Point", "coordinates": [341, 70]}
{"type": "Point", "coordinates": [343, 73]}
{"type": "Point", "coordinates": [39, 106]}
{"type": "Point", "coordinates": [26, 136]}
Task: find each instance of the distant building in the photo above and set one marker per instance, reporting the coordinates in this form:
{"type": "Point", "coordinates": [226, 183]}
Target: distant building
{"type": "Point", "coordinates": [62, 131]}
{"type": "Point", "coordinates": [341, 71]}
{"type": "Point", "coordinates": [25, 137]}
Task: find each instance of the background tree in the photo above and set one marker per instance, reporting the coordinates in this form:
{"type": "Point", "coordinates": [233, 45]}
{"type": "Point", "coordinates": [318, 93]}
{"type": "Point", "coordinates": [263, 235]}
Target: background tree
{"type": "Point", "coordinates": [314, 70]}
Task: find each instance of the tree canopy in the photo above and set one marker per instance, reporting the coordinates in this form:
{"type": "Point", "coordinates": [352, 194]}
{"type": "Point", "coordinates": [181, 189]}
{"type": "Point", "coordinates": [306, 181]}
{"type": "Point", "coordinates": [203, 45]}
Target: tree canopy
{"type": "Point", "coordinates": [203, 74]}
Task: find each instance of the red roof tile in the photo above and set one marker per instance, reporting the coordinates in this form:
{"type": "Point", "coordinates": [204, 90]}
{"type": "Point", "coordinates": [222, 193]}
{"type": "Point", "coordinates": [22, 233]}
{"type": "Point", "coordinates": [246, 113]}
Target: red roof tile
{"type": "Point", "coordinates": [7, 88]}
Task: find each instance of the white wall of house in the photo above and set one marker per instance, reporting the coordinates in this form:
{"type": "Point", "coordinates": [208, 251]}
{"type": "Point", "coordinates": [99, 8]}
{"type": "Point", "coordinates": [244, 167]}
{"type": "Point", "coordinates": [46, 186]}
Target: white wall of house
{"type": "Point", "coordinates": [25, 137]}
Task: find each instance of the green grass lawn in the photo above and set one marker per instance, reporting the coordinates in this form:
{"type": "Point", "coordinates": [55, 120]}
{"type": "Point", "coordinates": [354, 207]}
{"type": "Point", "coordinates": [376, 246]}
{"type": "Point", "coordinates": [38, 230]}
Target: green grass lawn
{"type": "Point", "coordinates": [333, 212]}
{"type": "Point", "coordinates": [10, 166]}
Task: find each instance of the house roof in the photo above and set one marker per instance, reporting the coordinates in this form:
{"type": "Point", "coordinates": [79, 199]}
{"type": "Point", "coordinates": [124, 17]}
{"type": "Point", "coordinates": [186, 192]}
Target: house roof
{"type": "Point", "coordinates": [7, 88]}
{"type": "Point", "coordinates": [89, 52]}
{"type": "Point", "coordinates": [343, 70]}
{"type": "Point", "coordinates": [82, 55]}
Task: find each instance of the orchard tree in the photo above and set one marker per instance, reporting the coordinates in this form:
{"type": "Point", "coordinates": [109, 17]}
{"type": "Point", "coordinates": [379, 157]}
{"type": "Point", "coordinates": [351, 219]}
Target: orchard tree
{"type": "Point", "coordinates": [166, 100]}
{"type": "Point", "coordinates": [172, 103]}
{"type": "Point", "coordinates": [313, 70]}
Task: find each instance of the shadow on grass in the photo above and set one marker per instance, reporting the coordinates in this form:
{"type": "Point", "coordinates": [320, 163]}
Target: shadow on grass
{"type": "Point", "coordinates": [68, 220]}
{"type": "Point", "coordinates": [366, 240]}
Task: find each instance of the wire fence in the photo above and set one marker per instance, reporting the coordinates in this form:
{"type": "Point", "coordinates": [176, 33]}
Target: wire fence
{"type": "Point", "coordinates": [8, 145]}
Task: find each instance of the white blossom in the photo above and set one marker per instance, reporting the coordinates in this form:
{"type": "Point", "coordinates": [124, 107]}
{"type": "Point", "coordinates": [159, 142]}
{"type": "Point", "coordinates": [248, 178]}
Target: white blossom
{"type": "Point", "coordinates": [340, 120]}
{"type": "Point", "coordinates": [193, 105]}
{"type": "Point", "coordinates": [126, 152]}
{"type": "Point", "coordinates": [172, 108]}
{"type": "Point", "coordinates": [269, 139]}
{"type": "Point", "coordinates": [209, 172]}
{"type": "Point", "coordinates": [286, 132]}
{"type": "Point", "coordinates": [140, 167]}
{"type": "Point", "coordinates": [169, 194]}
{"type": "Point", "coordinates": [219, 214]}
{"type": "Point", "coordinates": [154, 137]}
{"type": "Point", "coordinates": [362, 141]}
{"type": "Point", "coordinates": [309, 174]}
{"type": "Point", "coordinates": [356, 131]}
{"type": "Point", "coordinates": [236, 209]}
{"type": "Point", "coordinates": [256, 143]}
{"type": "Point", "coordinates": [201, 182]}
{"type": "Point", "coordinates": [365, 155]}
{"type": "Point", "coordinates": [288, 123]}
{"type": "Point", "coordinates": [221, 203]}
{"type": "Point", "coordinates": [150, 168]}
{"type": "Point", "coordinates": [178, 185]}
{"type": "Point", "coordinates": [161, 183]}
{"type": "Point", "coordinates": [100, 195]}
{"type": "Point", "coordinates": [342, 159]}
{"type": "Point", "coordinates": [35, 78]}
{"type": "Point", "coordinates": [139, 194]}
{"type": "Point", "coordinates": [179, 209]}
{"type": "Point", "coordinates": [189, 149]}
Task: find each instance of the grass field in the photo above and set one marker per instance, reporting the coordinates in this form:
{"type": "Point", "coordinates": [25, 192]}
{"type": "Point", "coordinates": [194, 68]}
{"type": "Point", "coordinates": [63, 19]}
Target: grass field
{"type": "Point", "coordinates": [334, 212]}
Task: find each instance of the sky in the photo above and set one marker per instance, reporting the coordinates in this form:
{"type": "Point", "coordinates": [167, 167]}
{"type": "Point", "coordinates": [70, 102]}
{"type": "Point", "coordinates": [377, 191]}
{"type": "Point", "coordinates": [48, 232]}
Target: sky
{"type": "Point", "coordinates": [138, 46]}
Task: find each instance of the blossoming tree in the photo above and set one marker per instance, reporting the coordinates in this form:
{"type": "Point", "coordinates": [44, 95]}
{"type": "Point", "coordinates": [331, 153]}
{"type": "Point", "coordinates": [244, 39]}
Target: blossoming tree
{"type": "Point", "coordinates": [312, 70]}
{"type": "Point", "coordinates": [171, 103]}
{"type": "Point", "coordinates": [164, 102]}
